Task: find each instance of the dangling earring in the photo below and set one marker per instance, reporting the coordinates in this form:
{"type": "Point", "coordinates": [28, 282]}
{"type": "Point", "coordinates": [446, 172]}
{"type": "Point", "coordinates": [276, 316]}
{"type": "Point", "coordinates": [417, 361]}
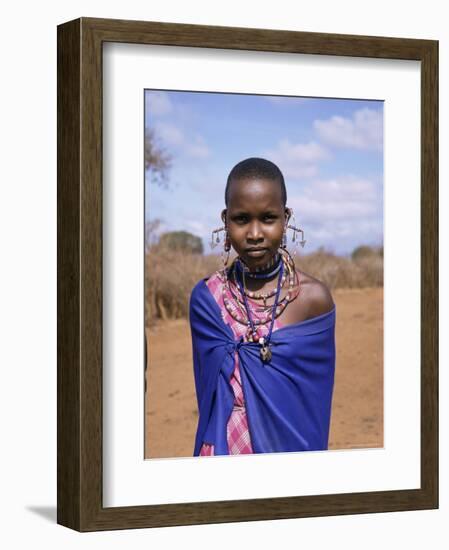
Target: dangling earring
{"type": "Point", "coordinates": [302, 242]}
{"type": "Point", "coordinates": [227, 243]}
{"type": "Point", "coordinates": [214, 241]}
{"type": "Point", "coordinates": [284, 238]}
{"type": "Point", "coordinates": [226, 250]}
{"type": "Point", "coordinates": [295, 230]}
{"type": "Point", "coordinates": [284, 235]}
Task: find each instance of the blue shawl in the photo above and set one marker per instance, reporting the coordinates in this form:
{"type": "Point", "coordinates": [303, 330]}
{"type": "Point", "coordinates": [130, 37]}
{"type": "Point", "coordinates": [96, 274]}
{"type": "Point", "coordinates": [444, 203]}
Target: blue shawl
{"type": "Point", "coordinates": [288, 400]}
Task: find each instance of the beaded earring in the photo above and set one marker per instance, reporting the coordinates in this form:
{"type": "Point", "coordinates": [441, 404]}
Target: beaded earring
{"type": "Point", "coordinates": [227, 243]}
{"type": "Point", "coordinates": [284, 239]}
{"type": "Point", "coordinates": [284, 235]}
{"type": "Point", "coordinates": [226, 250]}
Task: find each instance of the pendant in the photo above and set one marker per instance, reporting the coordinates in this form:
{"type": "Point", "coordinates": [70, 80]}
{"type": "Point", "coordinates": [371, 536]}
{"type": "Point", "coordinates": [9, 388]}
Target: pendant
{"type": "Point", "coordinates": [265, 352]}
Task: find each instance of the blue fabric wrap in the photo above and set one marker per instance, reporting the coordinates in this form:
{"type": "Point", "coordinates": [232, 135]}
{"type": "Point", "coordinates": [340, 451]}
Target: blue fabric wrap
{"type": "Point", "coordinates": [288, 400]}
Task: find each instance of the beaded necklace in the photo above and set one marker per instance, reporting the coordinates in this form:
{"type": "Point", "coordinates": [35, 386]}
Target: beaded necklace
{"type": "Point", "coordinates": [265, 272]}
{"type": "Point", "coordinates": [238, 307]}
{"type": "Point", "coordinates": [265, 352]}
{"type": "Point", "coordinates": [265, 295]}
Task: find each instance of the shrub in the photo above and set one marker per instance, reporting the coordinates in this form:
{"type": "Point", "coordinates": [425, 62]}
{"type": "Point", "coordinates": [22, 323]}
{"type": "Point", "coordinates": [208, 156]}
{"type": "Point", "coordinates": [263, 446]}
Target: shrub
{"type": "Point", "coordinates": [182, 241]}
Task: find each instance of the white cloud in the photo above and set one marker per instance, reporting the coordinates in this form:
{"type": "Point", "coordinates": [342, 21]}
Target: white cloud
{"type": "Point", "coordinates": [157, 103]}
{"type": "Point", "coordinates": [172, 136]}
{"type": "Point", "coordinates": [197, 149]}
{"type": "Point", "coordinates": [197, 227]}
{"type": "Point", "coordinates": [338, 198]}
{"type": "Point", "coordinates": [339, 208]}
{"type": "Point", "coordinates": [363, 131]}
{"type": "Point", "coordinates": [297, 160]}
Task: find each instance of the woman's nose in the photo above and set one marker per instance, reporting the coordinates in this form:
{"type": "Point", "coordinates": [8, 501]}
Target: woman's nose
{"type": "Point", "coordinates": [254, 232]}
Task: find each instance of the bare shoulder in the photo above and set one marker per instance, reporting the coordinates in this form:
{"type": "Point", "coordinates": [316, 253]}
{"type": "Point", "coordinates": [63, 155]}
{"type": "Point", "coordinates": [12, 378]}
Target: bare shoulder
{"type": "Point", "coordinates": [315, 294]}
{"type": "Point", "coordinates": [215, 279]}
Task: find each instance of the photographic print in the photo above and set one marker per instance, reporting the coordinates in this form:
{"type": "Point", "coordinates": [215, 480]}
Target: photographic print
{"type": "Point", "coordinates": [226, 200]}
{"type": "Point", "coordinates": [263, 273]}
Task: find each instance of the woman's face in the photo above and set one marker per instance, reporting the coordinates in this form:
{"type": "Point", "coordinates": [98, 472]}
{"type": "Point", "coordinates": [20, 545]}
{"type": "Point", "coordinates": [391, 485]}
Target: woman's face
{"type": "Point", "coordinates": [255, 219]}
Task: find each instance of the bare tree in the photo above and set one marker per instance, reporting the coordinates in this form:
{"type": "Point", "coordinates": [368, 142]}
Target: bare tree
{"type": "Point", "coordinates": [152, 229]}
{"type": "Point", "coordinates": [157, 161]}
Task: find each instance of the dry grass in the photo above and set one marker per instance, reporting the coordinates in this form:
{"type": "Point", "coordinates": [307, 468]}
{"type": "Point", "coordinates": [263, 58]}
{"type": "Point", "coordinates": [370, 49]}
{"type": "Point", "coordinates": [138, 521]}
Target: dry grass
{"type": "Point", "coordinates": [170, 276]}
{"type": "Point", "coordinates": [340, 272]}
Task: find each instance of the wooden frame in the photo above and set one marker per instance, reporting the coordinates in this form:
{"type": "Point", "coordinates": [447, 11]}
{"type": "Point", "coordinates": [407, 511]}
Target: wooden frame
{"type": "Point", "coordinates": [80, 274]}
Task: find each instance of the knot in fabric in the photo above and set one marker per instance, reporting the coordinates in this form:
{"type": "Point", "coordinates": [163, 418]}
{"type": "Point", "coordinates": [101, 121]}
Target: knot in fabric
{"type": "Point", "coordinates": [235, 346]}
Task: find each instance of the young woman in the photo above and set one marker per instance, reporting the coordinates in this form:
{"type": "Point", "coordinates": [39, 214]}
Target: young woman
{"type": "Point", "coordinates": [262, 331]}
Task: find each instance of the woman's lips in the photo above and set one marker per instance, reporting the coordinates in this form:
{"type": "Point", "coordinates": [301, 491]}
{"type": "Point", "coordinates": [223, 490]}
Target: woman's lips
{"type": "Point", "coordinates": [256, 253]}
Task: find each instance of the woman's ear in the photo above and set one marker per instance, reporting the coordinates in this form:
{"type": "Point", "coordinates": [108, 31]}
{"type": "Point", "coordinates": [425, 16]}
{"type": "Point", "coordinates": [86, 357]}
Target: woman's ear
{"type": "Point", "coordinates": [223, 216]}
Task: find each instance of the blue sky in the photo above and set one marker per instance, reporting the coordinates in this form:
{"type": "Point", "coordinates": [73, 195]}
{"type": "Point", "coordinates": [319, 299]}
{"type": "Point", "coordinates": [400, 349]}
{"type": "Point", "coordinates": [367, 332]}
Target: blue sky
{"type": "Point", "coordinates": [329, 150]}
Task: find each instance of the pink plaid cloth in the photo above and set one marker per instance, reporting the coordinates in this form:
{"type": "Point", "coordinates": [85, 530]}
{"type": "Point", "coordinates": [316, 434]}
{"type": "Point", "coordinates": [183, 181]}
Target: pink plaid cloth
{"type": "Point", "coordinates": [239, 440]}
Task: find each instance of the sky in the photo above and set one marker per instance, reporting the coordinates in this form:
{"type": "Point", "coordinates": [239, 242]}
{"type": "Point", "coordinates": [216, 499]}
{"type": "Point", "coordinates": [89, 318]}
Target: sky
{"type": "Point", "coordinates": [330, 152]}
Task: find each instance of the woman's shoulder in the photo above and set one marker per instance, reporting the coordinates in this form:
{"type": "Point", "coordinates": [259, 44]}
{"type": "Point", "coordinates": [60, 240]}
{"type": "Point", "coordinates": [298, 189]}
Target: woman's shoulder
{"type": "Point", "coordinates": [315, 293]}
{"type": "Point", "coordinates": [215, 279]}
{"type": "Point", "coordinates": [210, 281]}
{"type": "Point", "coordinates": [206, 289]}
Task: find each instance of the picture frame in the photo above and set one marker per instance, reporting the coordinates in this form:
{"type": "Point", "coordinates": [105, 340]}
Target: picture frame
{"type": "Point", "coordinates": [80, 274]}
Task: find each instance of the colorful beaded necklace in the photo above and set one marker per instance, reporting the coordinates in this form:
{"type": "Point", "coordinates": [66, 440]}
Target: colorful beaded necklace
{"type": "Point", "coordinates": [290, 267]}
{"type": "Point", "coordinates": [265, 272]}
{"type": "Point", "coordinates": [265, 351]}
{"type": "Point", "coordinates": [239, 308]}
